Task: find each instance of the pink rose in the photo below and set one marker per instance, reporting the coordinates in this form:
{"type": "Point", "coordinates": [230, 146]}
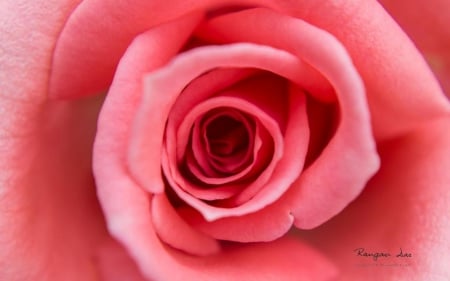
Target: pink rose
{"type": "Point", "coordinates": [231, 144]}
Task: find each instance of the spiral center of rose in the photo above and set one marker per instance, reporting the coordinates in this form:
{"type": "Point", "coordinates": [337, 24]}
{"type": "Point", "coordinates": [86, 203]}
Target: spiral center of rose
{"type": "Point", "coordinates": [226, 136]}
{"type": "Point", "coordinates": [226, 145]}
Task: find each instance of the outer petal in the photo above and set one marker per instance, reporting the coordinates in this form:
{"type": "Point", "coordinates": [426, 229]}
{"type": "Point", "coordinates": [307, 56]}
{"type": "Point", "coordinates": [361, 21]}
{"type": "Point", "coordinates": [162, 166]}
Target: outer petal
{"type": "Point", "coordinates": [49, 218]}
{"type": "Point", "coordinates": [115, 188]}
{"type": "Point", "coordinates": [362, 26]}
{"type": "Point", "coordinates": [265, 225]}
{"type": "Point", "coordinates": [406, 205]}
{"type": "Point", "coordinates": [284, 260]}
{"type": "Point", "coordinates": [89, 50]}
{"type": "Point", "coordinates": [114, 263]}
{"type": "Point", "coordinates": [28, 33]}
{"type": "Point", "coordinates": [50, 221]}
{"type": "Point", "coordinates": [173, 230]}
{"type": "Point", "coordinates": [129, 220]}
{"type": "Point", "coordinates": [399, 87]}
{"type": "Point", "coordinates": [123, 98]}
{"type": "Point", "coordinates": [428, 25]}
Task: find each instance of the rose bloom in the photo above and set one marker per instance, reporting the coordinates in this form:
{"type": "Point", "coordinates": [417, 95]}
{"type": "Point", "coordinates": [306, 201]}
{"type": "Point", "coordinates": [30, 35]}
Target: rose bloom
{"type": "Point", "coordinates": [224, 140]}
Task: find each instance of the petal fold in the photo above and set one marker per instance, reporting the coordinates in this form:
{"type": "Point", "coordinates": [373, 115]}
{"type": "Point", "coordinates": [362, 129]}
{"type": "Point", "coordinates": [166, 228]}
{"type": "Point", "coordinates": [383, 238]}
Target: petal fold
{"type": "Point", "coordinates": [173, 230]}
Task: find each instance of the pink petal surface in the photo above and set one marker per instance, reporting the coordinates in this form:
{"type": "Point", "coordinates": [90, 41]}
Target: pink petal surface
{"type": "Point", "coordinates": [114, 186]}
{"type": "Point", "coordinates": [49, 215]}
{"type": "Point", "coordinates": [285, 260]}
{"type": "Point", "coordinates": [296, 140]}
{"type": "Point", "coordinates": [399, 87]}
{"type": "Point", "coordinates": [114, 263]}
{"type": "Point", "coordinates": [89, 49]}
{"type": "Point", "coordinates": [427, 23]}
{"type": "Point", "coordinates": [323, 120]}
{"type": "Point", "coordinates": [345, 165]}
{"type": "Point", "coordinates": [91, 66]}
{"type": "Point", "coordinates": [173, 230]}
{"type": "Point", "coordinates": [145, 149]}
{"type": "Point", "coordinates": [265, 225]}
{"type": "Point", "coordinates": [198, 191]}
{"type": "Point", "coordinates": [49, 219]}
{"type": "Point", "coordinates": [404, 206]}
{"type": "Point", "coordinates": [124, 95]}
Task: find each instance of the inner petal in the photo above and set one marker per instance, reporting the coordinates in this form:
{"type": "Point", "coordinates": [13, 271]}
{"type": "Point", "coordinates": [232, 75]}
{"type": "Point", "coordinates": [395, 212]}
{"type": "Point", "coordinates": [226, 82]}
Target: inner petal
{"type": "Point", "coordinates": [229, 138]}
{"type": "Point", "coordinates": [206, 170]}
{"type": "Point", "coordinates": [197, 179]}
{"type": "Point", "coordinates": [226, 136]}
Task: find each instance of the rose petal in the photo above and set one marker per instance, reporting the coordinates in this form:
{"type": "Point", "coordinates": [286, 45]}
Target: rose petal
{"type": "Point", "coordinates": [350, 159]}
{"type": "Point", "coordinates": [260, 156]}
{"type": "Point", "coordinates": [219, 148]}
{"type": "Point", "coordinates": [122, 201]}
{"type": "Point", "coordinates": [218, 169]}
{"type": "Point", "coordinates": [88, 50]}
{"type": "Point", "coordinates": [296, 139]}
{"type": "Point", "coordinates": [114, 264]}
{"type": "Point", "coordinates": [204, 192]}
{"type": "Point", "coordinates": [323, 119]}
{"type": "Point", "coordinates": [260, 91]}
{"type": "Point", "coordinates": [386, 74]}
{"type": "Point", "coordinates": [145, 149]}
{"type": "Point", "coordinates": [211, 84]}
{"type": "Point", "coordinates": [50, 222]}
{"type": "Point", "coordinates": [185, 190]}
{"type": "Point", "coordinates": [129, 220]}
{"type": "Point", "coordinates": [265, 225]}
{"type": "Point", "coordinates": [399, 87]}
{"type": "Point", "coordinates": [118, 110]}
{"type": "Point", "coordinates": [286, 259]}
{"type": "Point", "coordinates": [173, 230]}
{"type": "Point", "coordinates": [427, 24]}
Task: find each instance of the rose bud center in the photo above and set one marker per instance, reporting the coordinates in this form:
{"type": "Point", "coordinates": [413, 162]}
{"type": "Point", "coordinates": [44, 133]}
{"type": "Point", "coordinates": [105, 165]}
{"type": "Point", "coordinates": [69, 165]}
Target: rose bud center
{"type": "Point", "coordinates": [226, 134]}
